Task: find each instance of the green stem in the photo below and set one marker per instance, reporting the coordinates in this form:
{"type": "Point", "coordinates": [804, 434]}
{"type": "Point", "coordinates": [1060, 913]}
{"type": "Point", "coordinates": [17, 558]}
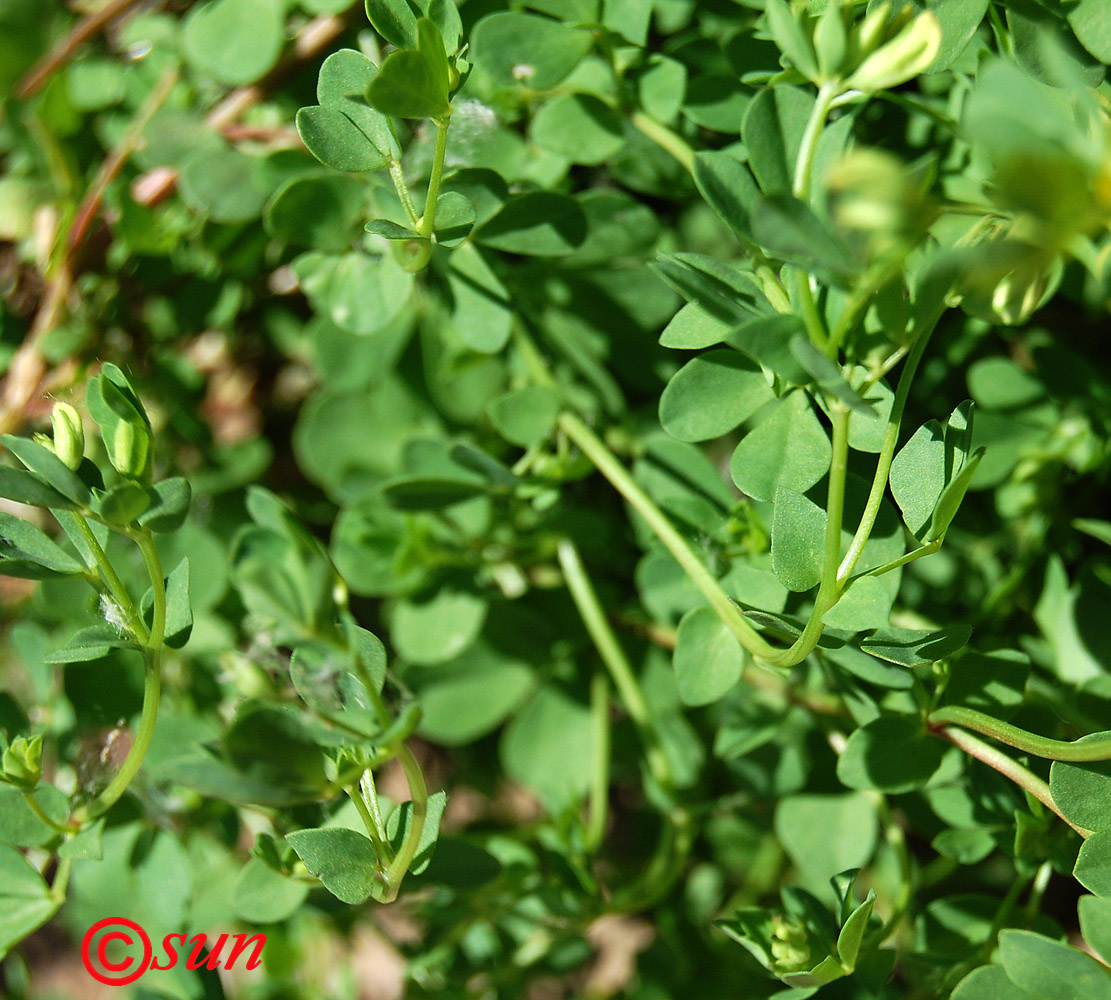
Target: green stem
{"type": "Point", "coordinates": [1088, 748]}
{"type": "Point", "coordinates": [613, 656]}
{"type": "Point", "coordinates": [61, 880]}
{"type": "Point", "coordinates": [112, 579]}
{"type": "Point", "coordinates": [152, 686]}
{"type": "Point", "coordinates": [397, 175]}
{"type": "Point", "coordinates": [152, 690]}
{"type": "Point", "coordinates": [829, 590]}
{"type": "Point", "coordinates": [32, 804]}
{"type": "Point", "coordinates": [897, 841]}
{"type": "Point", "coordinates": [887, 449]}
{"type": "Point", "coordinates": [381, 846]}
{"type": "Point", "coordinates": [923, 550]}
{"type": "Point", "coordinates": [804, 165]}
{"type": "Point", "coordinates": [1007, 767]}
{"type": "Point", "coordinates": [408, 850]}
{"type": "Point", "coordinates": [600, 778]}
{"type": "Point", "coordinates": [428, 220]}
{"type": "Point", "coordinates": [145, 541]}
{"type": "Point", "coordinates": [665, 138]}
{"type": "Point", "coordinates": [591, 445]}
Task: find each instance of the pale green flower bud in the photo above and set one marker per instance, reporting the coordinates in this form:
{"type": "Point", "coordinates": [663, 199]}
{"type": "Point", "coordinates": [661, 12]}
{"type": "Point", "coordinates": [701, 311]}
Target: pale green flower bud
{"type": "Point", "coordinates": [902, 58]}
{"type": "Point", "coordinates": [878, 200]}
{"type": "Point", "coordinates": [21, 762]}
{"type": "Point", "coordinates": [790, 945]}
{"type": "Point", "coordinates": [69, 434]}
{"type": "Point", "coordinates": [128, 449]}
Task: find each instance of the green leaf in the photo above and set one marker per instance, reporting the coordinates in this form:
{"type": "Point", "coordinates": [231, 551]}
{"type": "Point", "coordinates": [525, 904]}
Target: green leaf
{"type": "Point", "coordinates": [27, 552]}
{"type": "Point", "coordinates": [711, 394]}
{"type": "Point", "coordinates": [91, 643]}
{"type": "Point", "coordinates": [48, 467]}
{"type": "Point", "coordinates": [725, 291]}
{"type": "Point", "coordinates": [578, 127]}
{"type": "Point", "coordinates": [537, 224]}
{"type": "Point", "coordinates": [789, 449]}
{"type": "Point", "coordinates": [1095, 923]}
{"type": "Point", "coordinates": [438, 628]}
{"type": "Point", "coordinates": [343, 860]}
{"type": "Point", "coordinates": [827, 375]}
{"type": "Point", "coordinates": [454, 219]}
{"type": "Point", "coordinates": [359, 293]}
{"type": "Point", "coordinates": [788, 229]}
{"type": "Point", "coordinates": [413, 83]}
{"type": "Point", "coordinates": [791, 37]}
{"type": "Point", "coordinates": [549, 747]}
{"type": "Point", "coordinates": [917, 477]}
{"type": "Point", "coordinates": [912, 648]}
{"type": "Point", "coordinates": [773, 126]}
{"type": "Point", "coordinates": [263, 896]}
{"type": "Point", "coordinates": [1093, 864]}
{"type": "Point", "coordinates": [798, 540]}
{"type": "Point", "coordinates": [525, 416]}
{"type": "Point", "coordinates": [1082, 791]}
{"type": "Point", "coordinates": [994, 683]}
{"type": "Point", "coordinates": [628, 18]}
{"type": "Point", "coordinates": [525, 49]}
{"type": "Point", "coordinates": [25, 902]}
{"type": "Point", "coordinates": [471, 695]}
{"type": "Point", "coordinates": [1050, 969]}
{"type": "Point", "coordinates": [400, 821]}
{"type": "Point", "coordinates": [480, 304]}
{"type": "Point", "coordinates": [989, 982]}
{"type": "Point", "coordinates": [890, 754]}
{"type": "Point", "coordinates": [278, 746]}
{"type": "Point", "coordinates": [22, 487]}
{"type": "Point", "coordinates": [344, 132]}
{"type": "Point", "coordinates": [852, 933]}
{"type": "Point", "coordinates": [19, 826]}
{"type": "Point", "coordinates": [708, 658]}
{"type": "Point", "coordinates": [169, 505]}
{"type": "Point", "coordinates": [179, 613]}
{"type": "Point", "coordinates": [396, 20]}
{"type": "Point", "coordinates": [767, 340]}
{"type": "Point", "coordinates": [824, 835]}
{"type": "Point", "coordinates": [1088, 20]}
{"type": "Point", "coordinates": [234, 41]}
{"type": "Point", "coordinates": [225, 185]}
{"type": "Point", "coordinates": [952, 496]}
{"type": "Point", "coordinates": [86, 845]}
{"type": "Point", "coordinates": [122, 504]}
{"type": "Point", "coordinates": [322, 212]}
{"type": "Point", "coordinates": [728, 188]}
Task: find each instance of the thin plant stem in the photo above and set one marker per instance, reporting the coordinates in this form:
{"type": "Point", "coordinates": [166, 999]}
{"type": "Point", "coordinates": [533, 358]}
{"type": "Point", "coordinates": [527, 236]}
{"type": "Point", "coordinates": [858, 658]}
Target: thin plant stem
{"type": "Point", "coordinates": [600, 777]}
{"type": "Point", "coordinates": [408, 850]}
{"type": "Point", "coordinates": [613, 656]}
{"type": "Point", "coordinates": [887, 448]}
{"type": "Point", "coordinates": [428, 220]}
{"type": "Point", "coordinates": [804, 165]}
{"type": "Point", "coordinates": [381, 846]}
{"type": "Point", "coordinates": [998, 761]}
{"type": "Point", "coordinates": [152, 686]}
{"type": "Point", "coordinates": [61, 880]}
{"type": "Point", "coordinates": [665, 138]}
{"type": "Point", "coordinates": [923, 550]}
{"type": "Point", "coordinates": [1088, 748]}
{"type": "Point", "coordinates": [606, 463]}
{"type": "Point", "coordinates": [33, 805]}
{"type": "Point", "coordinates": [403, 193]}
{"type": "Point", "coordinates": [112, 579]}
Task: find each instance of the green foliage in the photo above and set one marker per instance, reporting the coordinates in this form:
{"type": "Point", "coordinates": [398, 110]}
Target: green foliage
{"type": "Point", "coordinates": [570, 465]}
